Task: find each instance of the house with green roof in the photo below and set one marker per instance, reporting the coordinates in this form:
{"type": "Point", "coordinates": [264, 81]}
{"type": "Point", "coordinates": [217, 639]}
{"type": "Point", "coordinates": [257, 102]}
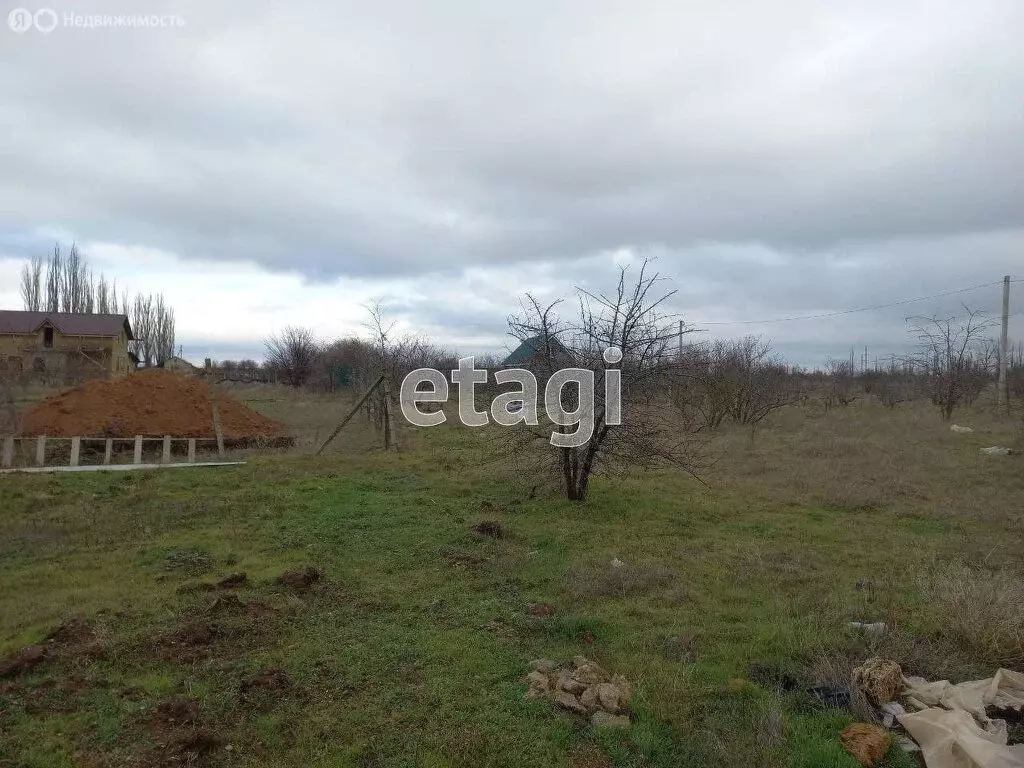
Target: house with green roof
{"type": "Point", "coordinates": [536, 351]}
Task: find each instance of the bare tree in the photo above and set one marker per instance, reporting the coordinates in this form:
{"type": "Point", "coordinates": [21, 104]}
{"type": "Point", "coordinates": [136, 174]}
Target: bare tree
{"type": "Point", "coordinates": [841, 383]}
{"type": "Point", "coordinates": [163, 330]}
{"type": "Point", "coordinates": [104, 293]}
{"type": "Point", "coordinates": [393, 353]}
{"type": "Point", "coordinates": [651, 431]}
{"type": "Point", "coordinates": [32, 285]}
{"type": "Point", "coordinates": [65, 283]}
{"type": "Point", "coordinates": [54, 279]}
{"type": "Point", "coordinates": [949, 352]}
{"type": "Point", "coordinates": [143, 325]}
{"type": "Point", "coordinates": [293, 352]}
{"type": "Point", "coordinates": [742, 379]}
{"type": "Point", "coordinates": [75, 282]}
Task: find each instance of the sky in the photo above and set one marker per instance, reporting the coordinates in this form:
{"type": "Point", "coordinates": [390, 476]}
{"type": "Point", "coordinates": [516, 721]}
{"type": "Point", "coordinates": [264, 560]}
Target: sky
{"type": "Point", "coordinates": [272, 163]}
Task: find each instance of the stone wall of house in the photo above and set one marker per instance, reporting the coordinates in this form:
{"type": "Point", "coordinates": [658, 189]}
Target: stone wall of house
{"type": "Point", "coordinates": [65, 358]}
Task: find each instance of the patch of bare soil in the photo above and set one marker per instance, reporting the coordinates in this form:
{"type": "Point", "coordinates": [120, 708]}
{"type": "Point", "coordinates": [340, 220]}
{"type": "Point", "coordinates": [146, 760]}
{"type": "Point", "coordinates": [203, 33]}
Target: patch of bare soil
{"type": "Point", "coordinates": [266, 685]}
{"type": "Point", "coordinates": [176, 734]}
{"type": "Point", "coordinates": [173, 712]}
{"type": "Point", "coordinates": [132, 693]}
{"type": "Point", "coordinates": [234, 581]}
{"type": "Point", "coordinates": [194, 634]}
{"type": "Point", "coordinates": [20, 662]}
{"type": "Point", "coordinates": [301, 579]}
{"type": "Point", "coordinates": [271, 679]}
{"type": "Point", "coordinates": [74, 631]}
{"type": "Point", "coordinates": [540, 610]}
{"type": "Point", "coordinates": [53, 695]}
{"type": "Point", "coordinates": [490, 528]}
{"type": "Point", "coordinates": [227, 604]}
{"type": "Point", "coordinates": [193, 748]}
{"type": "Point", "coordinates": [232, 605]}
{"type": "Point", "coordinates": [189, 642]}
{"type": "Point", "coordinates": [226, 627]}
{"type": "Point", "coordinates": [73, 638]}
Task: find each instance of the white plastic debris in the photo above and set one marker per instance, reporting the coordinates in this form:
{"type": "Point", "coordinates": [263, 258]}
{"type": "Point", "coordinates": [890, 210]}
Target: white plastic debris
{"type": "Point", "coordinates": [953, 727]}
{"type": "Point", "coordinates": [957, 428]}
{"type": "Point", "coordinates": [890, 711]}
{"type": "Point", "coordinates": [616, 563]}
{"type": "Point", "coordinates": [996, 450]}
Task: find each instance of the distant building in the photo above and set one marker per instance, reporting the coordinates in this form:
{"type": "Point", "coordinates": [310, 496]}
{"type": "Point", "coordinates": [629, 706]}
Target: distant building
{"type": "Point", "coordinates": [65, 345]}
{"type": "Point", "coordinates": [533, 354]}
{"type": "Point", "coordinates": [181, 365]}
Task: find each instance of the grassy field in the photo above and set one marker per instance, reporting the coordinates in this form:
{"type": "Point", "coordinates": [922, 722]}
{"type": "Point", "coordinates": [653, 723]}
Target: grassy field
{"type": "Point", "coordinates": [412, 648]}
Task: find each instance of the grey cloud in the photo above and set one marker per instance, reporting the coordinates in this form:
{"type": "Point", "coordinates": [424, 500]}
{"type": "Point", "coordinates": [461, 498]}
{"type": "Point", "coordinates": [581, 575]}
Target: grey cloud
{"type": "Point", "coordinates": [775, 157]}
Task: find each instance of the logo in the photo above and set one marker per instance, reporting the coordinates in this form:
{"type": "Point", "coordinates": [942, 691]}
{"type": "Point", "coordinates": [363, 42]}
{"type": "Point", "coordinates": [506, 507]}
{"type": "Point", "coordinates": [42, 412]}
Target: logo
{"type": "Point", "coordinates": [518, 406]}
{"type": "Point", "coordinates": [20, 20]}
{"type": "Point", "coordinates": [46, 20]}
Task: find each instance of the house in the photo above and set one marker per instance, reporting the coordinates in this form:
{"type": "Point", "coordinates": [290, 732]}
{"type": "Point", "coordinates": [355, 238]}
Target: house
{"type": "Point", "coordinates": [540, 353]}
{"type": "Point", "coordinates": [65, 346]}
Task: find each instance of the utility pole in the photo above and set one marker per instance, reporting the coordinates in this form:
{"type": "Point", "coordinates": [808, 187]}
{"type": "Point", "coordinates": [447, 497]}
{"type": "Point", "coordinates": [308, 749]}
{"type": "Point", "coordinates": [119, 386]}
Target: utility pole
{"type": "Point", "coordinates": [680, 341]}
{"type": "Point", "coordinates": [1004, 355]}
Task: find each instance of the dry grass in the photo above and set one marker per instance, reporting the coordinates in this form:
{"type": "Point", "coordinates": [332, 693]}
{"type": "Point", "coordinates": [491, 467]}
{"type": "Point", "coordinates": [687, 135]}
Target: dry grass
{"type": "Point", "coordinates": [981, 610]}
{"type": "Point", "coordinates": [865, 457]}
{"type": "Point", "coordinates": [309, 416]}
{"type": "Point", "coordinates": [593, 580]}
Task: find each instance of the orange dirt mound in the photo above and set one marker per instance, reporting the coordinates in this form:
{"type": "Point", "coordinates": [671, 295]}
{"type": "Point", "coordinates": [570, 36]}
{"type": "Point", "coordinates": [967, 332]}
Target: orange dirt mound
{"type": "Point", "coordinates": [150, 403]}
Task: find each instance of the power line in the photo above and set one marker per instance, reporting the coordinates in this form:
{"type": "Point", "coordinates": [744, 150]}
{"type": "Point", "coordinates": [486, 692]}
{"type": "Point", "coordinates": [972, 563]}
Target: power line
{"type": "Point", "coordinates": [858, 309]}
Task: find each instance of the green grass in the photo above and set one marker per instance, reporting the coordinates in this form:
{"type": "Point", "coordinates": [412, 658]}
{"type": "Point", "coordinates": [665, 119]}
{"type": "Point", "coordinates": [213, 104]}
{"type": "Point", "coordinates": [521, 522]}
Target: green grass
{"type": "Point", "coordinates": [413, 650]}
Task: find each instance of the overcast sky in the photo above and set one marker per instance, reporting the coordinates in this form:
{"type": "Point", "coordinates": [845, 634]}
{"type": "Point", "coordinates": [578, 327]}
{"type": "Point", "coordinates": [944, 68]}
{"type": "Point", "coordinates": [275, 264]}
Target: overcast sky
{"type": "Point", "coordinates": [272, 163]}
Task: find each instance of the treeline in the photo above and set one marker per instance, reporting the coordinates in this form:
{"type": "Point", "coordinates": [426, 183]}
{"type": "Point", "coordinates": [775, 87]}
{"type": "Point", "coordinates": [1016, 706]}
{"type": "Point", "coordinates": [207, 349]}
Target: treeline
{"type": "Point", "coordinates": [739, 380]}
{"type": "Point", "coordinates": [953, 364]}
{"type": "Point", "coordinates": [64, 282]}
{"type": "Point", "coordinates": [297, 357]}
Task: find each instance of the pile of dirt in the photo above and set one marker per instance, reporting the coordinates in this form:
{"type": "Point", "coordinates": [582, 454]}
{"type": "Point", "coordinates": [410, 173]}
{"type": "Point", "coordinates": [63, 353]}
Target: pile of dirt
{"type": "Point", "coordinates": [73, 638]}
{"type": "Point", "coordinates": [150, 403]}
